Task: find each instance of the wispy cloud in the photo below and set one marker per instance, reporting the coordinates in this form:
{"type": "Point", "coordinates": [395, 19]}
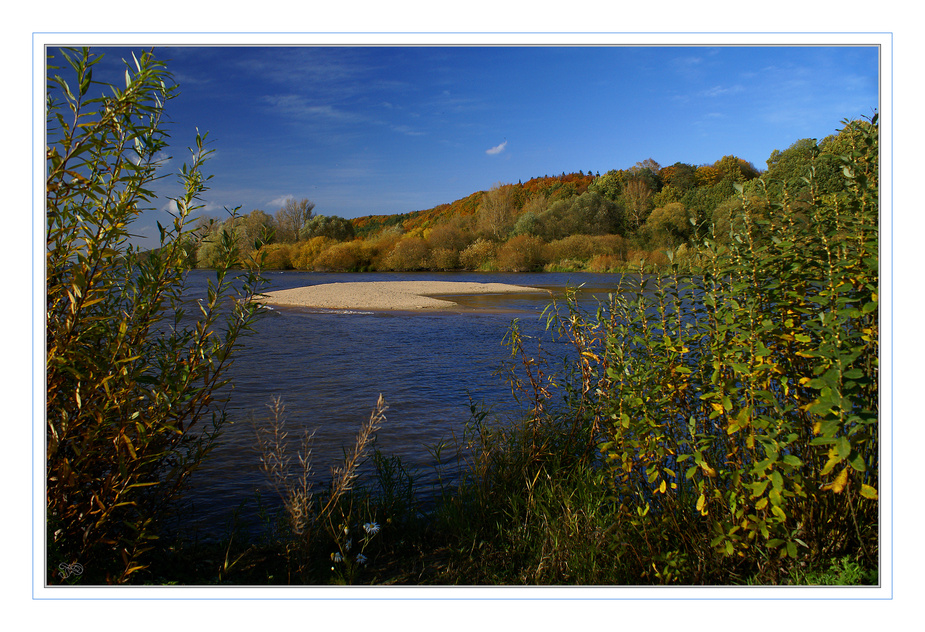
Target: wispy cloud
{"type": "Point", "coordinates": [497, 149]}
{"type": "Point", "coordinates": [686, 62]}
{"type": "Point", "coordinates": [298, 106]}
{"type": "Point", "coordinates": [718, 91]}
{"type": "Point", "coordinates": [407, 130]}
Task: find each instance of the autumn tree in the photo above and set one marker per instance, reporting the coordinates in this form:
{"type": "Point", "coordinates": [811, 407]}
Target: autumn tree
{"type": "Point", "coordinates": [411, 253]}
{"type": "Point", "coordinates": [448, 236]}
{"type": "Point", "coordinates": [497, 212]}
{"type": "Point", "coordinates": [523, 253]}
{"type": "Point", "coordinates": [679, 176]}
{"type": "Point", "coordinates": [638, 198]}
{"type": "Point", "coordinates": [258, 228]}
{"type": "Point", "coordinates": [708, 175]}
{"type": "Point", "coordinates": [292, 217]}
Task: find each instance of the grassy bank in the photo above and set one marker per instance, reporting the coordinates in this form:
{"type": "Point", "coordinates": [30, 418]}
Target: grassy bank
{"type": "Point", "coordinates": [533, 509]}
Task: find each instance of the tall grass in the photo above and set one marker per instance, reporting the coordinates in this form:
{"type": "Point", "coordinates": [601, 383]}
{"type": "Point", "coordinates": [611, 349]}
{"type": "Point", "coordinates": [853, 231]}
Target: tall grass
{"type": "Point", "coordinates": [331, 528]}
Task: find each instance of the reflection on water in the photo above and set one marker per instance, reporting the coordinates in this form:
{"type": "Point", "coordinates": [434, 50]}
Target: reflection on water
{"type": "Point", "coordinates": [329, 367]}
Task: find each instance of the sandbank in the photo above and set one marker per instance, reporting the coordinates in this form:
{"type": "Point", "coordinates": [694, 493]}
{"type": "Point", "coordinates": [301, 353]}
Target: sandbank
{"type": "Point", "coordinates": [387, 295]}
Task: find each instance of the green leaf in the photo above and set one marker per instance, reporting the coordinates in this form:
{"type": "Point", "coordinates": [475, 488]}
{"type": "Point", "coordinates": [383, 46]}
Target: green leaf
{"type": "Point", "coordinates": [792, 460]}
{"type": "Point", "coordinates": [843, 446]}
{"type": "Point", "coordinates": [777, 480]}
{"type": "Point", "coordinates": [856, 461]}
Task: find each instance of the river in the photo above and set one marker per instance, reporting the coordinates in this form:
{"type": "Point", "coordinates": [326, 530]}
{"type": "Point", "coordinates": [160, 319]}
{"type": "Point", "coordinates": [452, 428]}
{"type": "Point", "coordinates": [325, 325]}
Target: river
{"type": "Point", "coordinates": [329, 367]}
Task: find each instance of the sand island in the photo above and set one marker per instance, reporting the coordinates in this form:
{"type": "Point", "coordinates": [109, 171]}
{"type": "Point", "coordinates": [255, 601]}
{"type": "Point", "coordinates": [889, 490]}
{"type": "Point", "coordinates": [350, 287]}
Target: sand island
{"type": "Point", "coordinates": [387, 295]}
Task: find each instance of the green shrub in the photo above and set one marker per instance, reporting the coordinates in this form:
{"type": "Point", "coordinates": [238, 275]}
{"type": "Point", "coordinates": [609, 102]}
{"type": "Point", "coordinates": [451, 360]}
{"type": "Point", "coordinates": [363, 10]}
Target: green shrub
{"type": "Point", "coordinates": [738, 409]}
{"type": "Point", "coordinates": [332, 227]}
{"type": "Point", "coordinates": [132, 383]}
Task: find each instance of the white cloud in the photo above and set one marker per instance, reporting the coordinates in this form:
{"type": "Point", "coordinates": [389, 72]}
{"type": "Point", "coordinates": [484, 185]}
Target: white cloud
{"type": "Point", "coordinates": [279, 202]}
{"type": "Point", "coordinates": [497, 149]}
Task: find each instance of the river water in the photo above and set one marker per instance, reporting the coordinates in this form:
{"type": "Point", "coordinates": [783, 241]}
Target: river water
{"type": "Point", "coordinates": [329, 367]}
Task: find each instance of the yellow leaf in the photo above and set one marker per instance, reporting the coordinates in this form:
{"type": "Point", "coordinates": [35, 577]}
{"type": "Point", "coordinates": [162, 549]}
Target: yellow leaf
{"type": "Point", "coordinates": [709, 471]}
{"type": "Point", "coordinates": [128, 444]}
{"type": "Point", "coordinates": [869, 492]}
{"type": "Point", "coordinates": [817, 427]}
{"type": "Point", "coordinates": [662, 488]}
{"type": "Point", "coordinates": [700, 503]}
{"type": "Point", "coordinates": [839, 483]}
{"type": "Point", "coordinates": [717, 407]}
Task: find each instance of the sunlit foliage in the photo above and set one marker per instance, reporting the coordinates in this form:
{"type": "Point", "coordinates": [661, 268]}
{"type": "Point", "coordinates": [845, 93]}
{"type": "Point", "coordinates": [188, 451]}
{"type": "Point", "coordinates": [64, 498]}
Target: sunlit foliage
{"type": "Point", "coordinates": [132, 379]}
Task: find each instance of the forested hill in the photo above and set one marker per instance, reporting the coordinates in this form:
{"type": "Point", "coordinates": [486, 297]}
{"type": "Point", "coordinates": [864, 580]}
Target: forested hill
{"type": "Point", "coordinates": [552, 187]}
{"type": "Point", "coordinates": [646, 214]}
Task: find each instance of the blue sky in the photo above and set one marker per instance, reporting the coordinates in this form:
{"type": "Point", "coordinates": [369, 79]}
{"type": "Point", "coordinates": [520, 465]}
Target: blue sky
{"type": "Point", "coordinates": [385, 129]}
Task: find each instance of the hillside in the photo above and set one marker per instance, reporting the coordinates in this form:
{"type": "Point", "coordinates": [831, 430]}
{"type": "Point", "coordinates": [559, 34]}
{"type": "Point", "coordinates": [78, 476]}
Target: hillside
{"type": "Point", "coordinates": [646, 214]}
{"type": "Point", "coordinates": [552, 187]}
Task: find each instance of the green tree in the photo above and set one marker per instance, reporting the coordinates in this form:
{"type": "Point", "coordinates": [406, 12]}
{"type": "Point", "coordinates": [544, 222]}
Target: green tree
{"type": "Point", "coordinates": [702, 200]}
{"type": "Point", "coordinates": [132, 405]}
{"type": "Point", "coordinates": [669, 225]}
{"type": "Point", "coordinates": [330, 226]}
{"type": "Point", "coordinates": [738, 169]}
{"type": "Point", "coordinates": [679, 176]}
{"type": "Point", "coordinates": [610, 185]}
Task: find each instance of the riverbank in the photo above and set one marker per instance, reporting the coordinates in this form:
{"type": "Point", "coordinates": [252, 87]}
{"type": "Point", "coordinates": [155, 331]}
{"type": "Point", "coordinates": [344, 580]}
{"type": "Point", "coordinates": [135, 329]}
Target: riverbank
{"type": "Point", "coordinates": [388, 295]}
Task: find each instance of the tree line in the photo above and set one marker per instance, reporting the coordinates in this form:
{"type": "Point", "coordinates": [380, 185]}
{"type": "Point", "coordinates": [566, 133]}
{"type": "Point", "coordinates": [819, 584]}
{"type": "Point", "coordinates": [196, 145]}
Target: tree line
{"type": "Point", "coordinates": [574, 221]}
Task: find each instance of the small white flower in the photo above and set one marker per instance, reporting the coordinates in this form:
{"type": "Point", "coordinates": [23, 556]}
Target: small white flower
{"type": "Point", "coordinates": [361, 559]}
{"type": "Point", "coordinates": [372, 528]}
{"type": "Point", "coordinates": [337, 557]}
{"type": "Point", "coordinates": [348, 545]}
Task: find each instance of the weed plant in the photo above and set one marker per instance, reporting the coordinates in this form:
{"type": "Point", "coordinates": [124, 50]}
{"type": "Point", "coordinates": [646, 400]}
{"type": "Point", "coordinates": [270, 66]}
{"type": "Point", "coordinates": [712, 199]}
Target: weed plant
{"type": "Point", "coordinates": [332, 535]}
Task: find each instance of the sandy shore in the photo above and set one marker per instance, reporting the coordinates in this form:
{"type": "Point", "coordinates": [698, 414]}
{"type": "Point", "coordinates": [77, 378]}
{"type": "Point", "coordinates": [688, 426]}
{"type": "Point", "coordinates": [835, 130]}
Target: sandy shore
{"type": "Point", "coordinates": [387, 295]}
